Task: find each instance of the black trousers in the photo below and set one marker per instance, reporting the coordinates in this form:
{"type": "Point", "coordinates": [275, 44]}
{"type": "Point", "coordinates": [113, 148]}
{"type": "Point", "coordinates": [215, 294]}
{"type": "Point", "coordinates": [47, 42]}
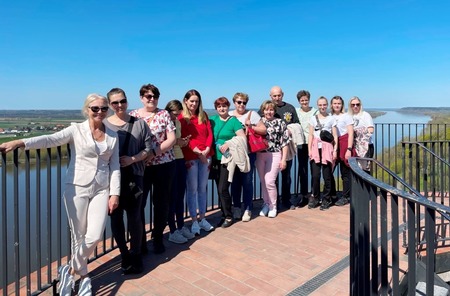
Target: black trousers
{"type": "Point", "coordinates": [286, 184]}
{"type": "Point", "coordinates": [303, 165]}
{"type": "Point", "coordinates": [160, 178]}
{"type": "Point", "coordinates": [223, 189]}
{"type": "Point", "coordinates": [318, 169]}
{"type": "Point", "coordinates": [134, 222]}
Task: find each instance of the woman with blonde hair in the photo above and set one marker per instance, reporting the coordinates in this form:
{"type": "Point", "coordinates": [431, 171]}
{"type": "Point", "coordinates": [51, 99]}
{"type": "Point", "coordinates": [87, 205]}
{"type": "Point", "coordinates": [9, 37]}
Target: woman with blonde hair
{"type": "Point", "coordinates": [92, 185]}
{"type": "Point", "coordinates": [364, 128]}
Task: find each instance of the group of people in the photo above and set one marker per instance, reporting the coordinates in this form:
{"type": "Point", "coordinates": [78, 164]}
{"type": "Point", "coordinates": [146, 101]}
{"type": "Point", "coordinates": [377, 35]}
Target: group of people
{"type": "Point", "coordinates": [118, 160]}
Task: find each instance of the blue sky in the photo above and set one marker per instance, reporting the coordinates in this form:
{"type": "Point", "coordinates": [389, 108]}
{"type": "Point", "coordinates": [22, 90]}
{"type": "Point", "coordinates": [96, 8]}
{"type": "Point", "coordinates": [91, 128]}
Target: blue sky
{"type": "Point", "coordinates": [389, 53]}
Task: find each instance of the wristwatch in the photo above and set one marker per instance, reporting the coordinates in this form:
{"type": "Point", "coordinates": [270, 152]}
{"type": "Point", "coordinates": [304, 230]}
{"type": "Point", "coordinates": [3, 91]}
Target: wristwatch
{"type": "Point", "coordinates": [349, 149]}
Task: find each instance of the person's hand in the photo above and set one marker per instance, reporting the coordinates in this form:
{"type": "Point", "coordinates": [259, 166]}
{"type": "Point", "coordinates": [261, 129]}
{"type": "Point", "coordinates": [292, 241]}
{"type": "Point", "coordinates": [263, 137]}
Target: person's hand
{"type": "Point", "coordinates": [126, 160]}
{"type": "Point", "coordinates": [282, 165]}
{"type": "Point", "coordinates": [203, 158]}
{"type": "Point", "coordinates": [334, 155]}
{"type": "Point", "coordinates": [224, 148]}
{"type": "Point", "coordinates": [348, 154]}
{"type": "Point", "coordinates": [113, 203]}
{"type": "Point", "coordinates": [10, 146]}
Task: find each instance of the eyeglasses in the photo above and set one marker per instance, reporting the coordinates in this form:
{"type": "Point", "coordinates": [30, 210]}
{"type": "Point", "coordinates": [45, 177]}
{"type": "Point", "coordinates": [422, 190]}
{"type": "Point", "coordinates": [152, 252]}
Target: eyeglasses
{"type": "Point", "coordinates": [241, 103]}
{"type": "Point", "coordinates": [356, 105]}
{"type": "Point", "coordinates": [96, 109]}
{"type": "Point", "coordinates": [148, 97]}
{"type": "Point", "coordinates": [123, 101]}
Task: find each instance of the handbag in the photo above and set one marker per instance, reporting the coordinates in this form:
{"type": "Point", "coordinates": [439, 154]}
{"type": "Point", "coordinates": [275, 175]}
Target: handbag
{"type": "Point", "coordinates": [256, 142]}
{"type": "Point", "coordinates": [325, 135]}
{"type": "Point", "coordinates": [128, 186]}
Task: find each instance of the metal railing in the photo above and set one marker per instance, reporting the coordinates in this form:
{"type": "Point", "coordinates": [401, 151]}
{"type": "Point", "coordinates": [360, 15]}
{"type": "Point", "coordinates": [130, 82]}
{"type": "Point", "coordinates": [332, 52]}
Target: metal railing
{"type": "Point", "coordinates": [376, 265]}
{"type": "Point", "coordinates": [33, 224]}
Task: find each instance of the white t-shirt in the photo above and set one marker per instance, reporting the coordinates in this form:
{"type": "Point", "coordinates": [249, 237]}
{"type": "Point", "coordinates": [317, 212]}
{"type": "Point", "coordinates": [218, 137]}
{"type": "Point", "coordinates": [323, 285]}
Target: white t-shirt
{"type": "Point", "coordinates": [326, 123]}
{"type": "Point", "coordinates": [342, 122]}
{"type": "Point", "coordinates": [304, 118]}
{"type": "Point", "coordinates": [254, 117]}
{"type": "Point", "coordinates": [363, 119]}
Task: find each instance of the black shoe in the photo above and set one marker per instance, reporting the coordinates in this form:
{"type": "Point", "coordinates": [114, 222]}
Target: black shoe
{"type": "Point", "coordinates": [158, 247]}
{"type": "Point", "coordinates": [303, 202]}
{"type": "Point", "coordinates": [126, 263]}
{"type": "Point", "coordinates": [341, 202]}
{"type": "Point", "coordinates": [144, 249]}
{"type": "Point", "coordinates": [325, 205]}
{"type": "Point", "coordinates": [313, 202]}
{"type": "Point", "coordinates": [136, 265]}
{"type": "Point", "coordinates": [222, 220]}
{"type": "Point", "coordinates": [227, 222]}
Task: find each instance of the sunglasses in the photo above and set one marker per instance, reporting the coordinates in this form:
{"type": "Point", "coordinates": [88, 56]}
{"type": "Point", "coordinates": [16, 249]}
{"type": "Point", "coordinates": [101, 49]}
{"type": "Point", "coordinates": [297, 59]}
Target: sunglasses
{"type": "Point", "coordinates": [356, 105]}
{"type": "Point", "coordinates": [148, 97]}
{"type": "Point", "coordinates": [96, 109]}
{"type": "Point", "coordinates": [241, 103]}
{"type": "Point", "coordinates": [115, 103]}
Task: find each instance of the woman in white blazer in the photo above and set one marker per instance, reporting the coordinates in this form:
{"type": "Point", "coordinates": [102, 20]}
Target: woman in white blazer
{"type": "Point", "coordinates": [92, 184]}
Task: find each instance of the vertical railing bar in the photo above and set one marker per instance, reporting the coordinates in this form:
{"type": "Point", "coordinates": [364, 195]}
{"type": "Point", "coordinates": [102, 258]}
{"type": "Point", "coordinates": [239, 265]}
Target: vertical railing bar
{"type": "Point", "coordinates": [4, 242]}
{"type": "Point", "coordinates": [384, 243]}
{"type": "Point", "coordinates": [374, 241]}
{"type": "Point", "coordinates": [58, 205]}
{"type": "Point", "coordinates": [49, 211]}
{"type": "Point", "coordinates": [430, 226]}
{"type": "Point", "coordinates": [411, 248]}
{"type": "Point", "coordinates": [27, 222]}
{"type": "Point", "coordinates": [395, 246]}
{"type": "Point", "coordinates": [38, 215]}
{"type": "Point", "coordinates": [16, 222]}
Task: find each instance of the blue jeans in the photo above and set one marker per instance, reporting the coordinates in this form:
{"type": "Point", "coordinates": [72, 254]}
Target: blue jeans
{"type": "Point", "coordinates": [196, 186]}
{"type": "Point", "coordinates": [243, 181]}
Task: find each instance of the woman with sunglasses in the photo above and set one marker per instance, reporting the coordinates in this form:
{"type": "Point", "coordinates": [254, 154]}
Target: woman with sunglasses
{"type": "Point", "coordinates": [179, 233]}
{"type": "Point", "coordinates": [195, 125]}
{"type": "Point", "coordinates": [243, 182]}
{"type": "Point", "coordinates": [92, 185]}
{"type": "Point", "coordinates": [344, 128]}
{"type": "Point", "coordinates": [132, 153]}
{"type": "Point", "coordinates": [363, 129]}
{"type": "Point", "coordinates": [160, 169]}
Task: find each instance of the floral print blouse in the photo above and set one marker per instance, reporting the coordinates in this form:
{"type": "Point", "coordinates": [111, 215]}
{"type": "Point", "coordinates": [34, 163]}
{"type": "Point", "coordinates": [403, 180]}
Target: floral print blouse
{"type": "Point", "coordinates": [160, 125]}
{"type": "Point", "coordinates": [277, 134]}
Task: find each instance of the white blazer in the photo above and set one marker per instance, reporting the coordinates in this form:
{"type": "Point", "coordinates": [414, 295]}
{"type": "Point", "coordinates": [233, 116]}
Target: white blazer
{"type": "Point", "coordinates": [84, 165]}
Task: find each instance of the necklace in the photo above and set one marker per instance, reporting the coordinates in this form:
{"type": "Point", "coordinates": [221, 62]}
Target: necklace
{"type": "Point", "coordinates": [97, 134]}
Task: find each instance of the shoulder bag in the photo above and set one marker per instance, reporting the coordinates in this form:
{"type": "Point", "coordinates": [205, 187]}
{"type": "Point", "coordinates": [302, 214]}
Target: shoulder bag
{"type": "Point", "coordinates": [256, 142]}
{"type": "Point", "coordinates": [325, 135]}
{"type": "Point", "coordinates": [129, 190]}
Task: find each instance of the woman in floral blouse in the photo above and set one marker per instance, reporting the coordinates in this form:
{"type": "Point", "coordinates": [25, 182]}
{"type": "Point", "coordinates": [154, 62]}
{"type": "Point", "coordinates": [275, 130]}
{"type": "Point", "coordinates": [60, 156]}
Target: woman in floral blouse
{"type": "Point", "coordinates": [160, 169]}
{"type": "Point", "coordinates": [273, 160]}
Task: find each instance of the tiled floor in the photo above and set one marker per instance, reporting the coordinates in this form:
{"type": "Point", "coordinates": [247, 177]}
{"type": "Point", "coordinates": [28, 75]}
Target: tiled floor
{"type": "Point", "coordinates": [262, 257]}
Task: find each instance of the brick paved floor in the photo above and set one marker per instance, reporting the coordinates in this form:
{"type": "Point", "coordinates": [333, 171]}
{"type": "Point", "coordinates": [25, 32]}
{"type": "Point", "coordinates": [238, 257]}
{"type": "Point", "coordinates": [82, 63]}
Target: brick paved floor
{"type": "Point", "coordinates": [262, 257]}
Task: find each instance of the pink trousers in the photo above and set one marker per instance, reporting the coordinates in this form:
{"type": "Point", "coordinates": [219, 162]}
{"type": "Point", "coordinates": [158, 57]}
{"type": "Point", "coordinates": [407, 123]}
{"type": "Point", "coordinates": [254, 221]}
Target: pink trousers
{"type": "Point", "coordinates": [268, 167]}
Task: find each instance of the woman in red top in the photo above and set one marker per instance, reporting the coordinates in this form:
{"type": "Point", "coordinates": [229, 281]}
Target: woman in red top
{"type": "Point", "coordinates": [195, 125]}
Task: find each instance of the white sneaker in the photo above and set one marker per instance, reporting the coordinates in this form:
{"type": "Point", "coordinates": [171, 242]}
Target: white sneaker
{"type": "Point", "coordinates": [85, 287]}
{"type": "Point", "coordinates": [204, 224]}
{"type": "Point", "coordinates": [195, 228]}
{"type": "Point", "coordinates": [272, 213]}
{"type": "Point", "coordinates": [237, 213]}
{"type": "Point", "coordinates": [66, 282]}
{"type": "Point", "coordinates": [177, 237]}
{"type": "Point", "coordinates": [187, 233]}
{"type": "Point", "coordinates": [264, 210]}
{"type": "Point", "coordinates": [247, 216]}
